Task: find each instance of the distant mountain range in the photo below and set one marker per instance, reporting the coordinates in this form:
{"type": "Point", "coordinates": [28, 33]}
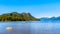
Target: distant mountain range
{"type": "Point", "coordinates": [52, 19]}
{"type": "Point", "coordinates": [14, 16]}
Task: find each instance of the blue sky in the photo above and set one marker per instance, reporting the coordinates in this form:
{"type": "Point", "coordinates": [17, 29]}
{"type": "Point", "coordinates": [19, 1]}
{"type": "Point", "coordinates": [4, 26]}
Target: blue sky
{"type": "Point", "coordinates": [38, 8]}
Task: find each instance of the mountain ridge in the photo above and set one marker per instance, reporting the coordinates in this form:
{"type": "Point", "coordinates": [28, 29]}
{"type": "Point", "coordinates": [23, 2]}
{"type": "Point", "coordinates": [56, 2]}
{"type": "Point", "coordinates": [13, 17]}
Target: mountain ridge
{"type": "Point", "coordinates": [52, 19]}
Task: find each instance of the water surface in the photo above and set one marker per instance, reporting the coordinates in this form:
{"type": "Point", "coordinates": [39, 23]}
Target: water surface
{"type": "Point", "coordinates": [30, 27]}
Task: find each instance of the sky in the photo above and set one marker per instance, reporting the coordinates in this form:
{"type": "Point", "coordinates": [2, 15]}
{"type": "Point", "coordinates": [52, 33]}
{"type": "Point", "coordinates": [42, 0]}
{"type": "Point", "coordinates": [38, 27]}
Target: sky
{"type": "Point", "coordinates": [37, 8]}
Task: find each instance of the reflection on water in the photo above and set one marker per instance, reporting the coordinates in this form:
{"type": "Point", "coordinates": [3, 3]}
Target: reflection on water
{"type": "Point", "coordinates": [33, 27]}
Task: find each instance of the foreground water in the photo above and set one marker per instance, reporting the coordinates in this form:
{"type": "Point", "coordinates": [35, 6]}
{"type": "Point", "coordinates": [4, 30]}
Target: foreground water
{"type": "Point", "coordinates": [30, 27]}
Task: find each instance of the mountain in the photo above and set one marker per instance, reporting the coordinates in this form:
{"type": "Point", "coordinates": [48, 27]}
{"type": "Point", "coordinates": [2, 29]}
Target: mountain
{"type": "Point", "coordinates": [52, 19]}
{"type": "Point", "coordinates": [14, 16]}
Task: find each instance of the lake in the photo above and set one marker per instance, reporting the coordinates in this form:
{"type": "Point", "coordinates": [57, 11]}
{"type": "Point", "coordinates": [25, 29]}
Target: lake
{"type": "Point", "coordinates": [29, 27]}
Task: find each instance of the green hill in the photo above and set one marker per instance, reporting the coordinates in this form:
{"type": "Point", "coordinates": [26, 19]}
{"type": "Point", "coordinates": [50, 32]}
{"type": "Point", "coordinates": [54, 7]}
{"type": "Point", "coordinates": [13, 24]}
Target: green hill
{"type": "Point", "coordinates": [14, 16]}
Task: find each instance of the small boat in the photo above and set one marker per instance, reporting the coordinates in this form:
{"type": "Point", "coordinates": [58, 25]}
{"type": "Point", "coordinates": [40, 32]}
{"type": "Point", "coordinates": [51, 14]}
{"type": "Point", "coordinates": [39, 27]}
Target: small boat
{"type": "Point", "coordinates": [9, 28]}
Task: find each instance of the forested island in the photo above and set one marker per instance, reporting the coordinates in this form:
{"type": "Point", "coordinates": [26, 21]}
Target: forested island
{"type": "Point", "coordinates": [14, 16]}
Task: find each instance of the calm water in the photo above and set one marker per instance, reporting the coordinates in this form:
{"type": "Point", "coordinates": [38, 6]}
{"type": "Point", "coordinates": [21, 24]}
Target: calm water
{"type": "Point", "coordinates": [32, 27]}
